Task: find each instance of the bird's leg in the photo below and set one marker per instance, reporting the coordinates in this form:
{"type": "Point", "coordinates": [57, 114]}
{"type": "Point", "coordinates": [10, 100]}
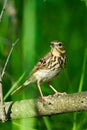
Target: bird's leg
{"type": "Point", "coordinates": [52, 88]}
{"type": "Point", "coordinates": [56, 92]}
{"type": "Point", "coordinates": [44, 98]}
{"type": "Point", "coordinates": [38, 85]}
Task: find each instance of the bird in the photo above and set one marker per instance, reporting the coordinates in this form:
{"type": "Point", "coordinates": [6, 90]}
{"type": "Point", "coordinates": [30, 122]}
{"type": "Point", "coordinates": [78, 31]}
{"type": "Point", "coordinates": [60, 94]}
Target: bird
{"type": "Point", "coordinates": [47, 68]}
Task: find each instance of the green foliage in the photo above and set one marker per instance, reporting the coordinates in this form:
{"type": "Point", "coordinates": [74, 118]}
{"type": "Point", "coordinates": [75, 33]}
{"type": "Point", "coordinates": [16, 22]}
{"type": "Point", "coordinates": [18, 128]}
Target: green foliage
{"type": "Point", "coordinates": [36, 23]}
{"type": "Point", "coordinates": [85, 1]}
{"type": "Point", "coordinates": [14, 87]}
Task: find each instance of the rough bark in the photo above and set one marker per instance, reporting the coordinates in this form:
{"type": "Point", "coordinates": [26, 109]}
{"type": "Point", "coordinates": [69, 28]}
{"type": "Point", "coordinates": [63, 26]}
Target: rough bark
{"type": "Point", "coordinates": [53, 105]}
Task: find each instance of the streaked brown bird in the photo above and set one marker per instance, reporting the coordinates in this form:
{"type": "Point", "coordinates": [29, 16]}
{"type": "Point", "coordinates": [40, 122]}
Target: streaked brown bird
{"type": "Point", "coordinates": [48, 67]}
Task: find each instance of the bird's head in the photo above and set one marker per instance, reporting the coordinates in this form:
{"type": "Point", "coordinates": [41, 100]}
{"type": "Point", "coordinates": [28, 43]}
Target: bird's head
{"type": "Point", "coordinates": [57, 48]}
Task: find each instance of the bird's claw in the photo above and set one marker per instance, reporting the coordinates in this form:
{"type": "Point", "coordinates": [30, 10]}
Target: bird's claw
{"type": "Point", "coordinates": [59, 93]}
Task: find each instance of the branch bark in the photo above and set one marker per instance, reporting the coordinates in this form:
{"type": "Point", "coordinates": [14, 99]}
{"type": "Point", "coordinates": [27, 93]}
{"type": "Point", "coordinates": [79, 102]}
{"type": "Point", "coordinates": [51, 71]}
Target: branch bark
{"type": "Point", "coordinates": [54, 105]}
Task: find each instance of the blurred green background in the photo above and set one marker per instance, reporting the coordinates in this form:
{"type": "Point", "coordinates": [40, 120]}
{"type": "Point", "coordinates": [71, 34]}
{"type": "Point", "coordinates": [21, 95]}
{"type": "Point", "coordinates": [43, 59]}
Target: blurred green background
{"type": "Point", "coordinates": [36, 23]}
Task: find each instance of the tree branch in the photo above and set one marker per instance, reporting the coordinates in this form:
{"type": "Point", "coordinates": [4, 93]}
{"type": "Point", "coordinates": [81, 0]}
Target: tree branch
{"type": "Point", "coordinates": [2, 106]}
{"type": "Point", "coordinates": [7, 60]}
{"type": "Point", "coordinates": [3, 113]}
{"type": "Point", "coordinates": [54, 105]}
{"type": "Point", "coordinates": [3, 9]}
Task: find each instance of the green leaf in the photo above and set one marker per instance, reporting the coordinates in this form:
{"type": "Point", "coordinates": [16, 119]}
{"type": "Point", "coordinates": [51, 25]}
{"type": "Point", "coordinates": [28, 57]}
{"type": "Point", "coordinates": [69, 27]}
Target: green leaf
{"type": "Point", "coordinates": [14, 87]}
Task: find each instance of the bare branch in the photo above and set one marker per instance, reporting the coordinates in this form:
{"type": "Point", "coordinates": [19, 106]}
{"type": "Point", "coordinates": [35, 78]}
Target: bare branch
{"type": "Point", "coordinates": [4, 68]}
{"type": "Point", "coordinates": [54, 105]}
{"type": "Point", "coordinates": [3, 9]}
{"type": "Point", "coordinates": [3, 112]}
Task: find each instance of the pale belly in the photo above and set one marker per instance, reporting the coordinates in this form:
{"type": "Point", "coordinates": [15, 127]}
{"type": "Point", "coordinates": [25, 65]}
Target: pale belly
{"type": "Point", "coordinates": [46, 75]}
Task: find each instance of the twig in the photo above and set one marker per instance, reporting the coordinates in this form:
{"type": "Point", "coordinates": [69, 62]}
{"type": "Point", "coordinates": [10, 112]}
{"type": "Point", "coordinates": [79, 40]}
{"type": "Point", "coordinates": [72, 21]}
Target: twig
{"type": "Point", "coordinates": [53, 105]}
{"type": "Point", "coordinates": [3, 112]}
{"type": "Point", "coordinates": [3, 9]}
{"type": "Point", "coordinates": [13, 44]}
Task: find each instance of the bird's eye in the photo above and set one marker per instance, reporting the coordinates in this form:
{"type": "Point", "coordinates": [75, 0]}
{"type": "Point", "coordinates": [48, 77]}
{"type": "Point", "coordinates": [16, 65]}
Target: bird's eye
{"type": "Point", "coordinates": [60, 44]}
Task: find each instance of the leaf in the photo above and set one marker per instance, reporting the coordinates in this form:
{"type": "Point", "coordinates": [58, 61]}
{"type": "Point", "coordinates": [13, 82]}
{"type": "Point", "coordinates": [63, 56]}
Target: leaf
{"type": "Point", "coordinates": [15, 85]}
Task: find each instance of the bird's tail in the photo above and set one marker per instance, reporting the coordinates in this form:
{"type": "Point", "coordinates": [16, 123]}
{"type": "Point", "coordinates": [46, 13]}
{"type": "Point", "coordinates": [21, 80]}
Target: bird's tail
{"type": "Point", "coordinates": [25, 84]}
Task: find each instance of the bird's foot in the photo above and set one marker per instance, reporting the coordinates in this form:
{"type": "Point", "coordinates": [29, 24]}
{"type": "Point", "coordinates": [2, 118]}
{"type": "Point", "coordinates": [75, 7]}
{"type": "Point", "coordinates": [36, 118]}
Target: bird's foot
{"type": "Point", "coordinates": [45, 98]}
{"type": "Point", "coordinates": [60, 94]}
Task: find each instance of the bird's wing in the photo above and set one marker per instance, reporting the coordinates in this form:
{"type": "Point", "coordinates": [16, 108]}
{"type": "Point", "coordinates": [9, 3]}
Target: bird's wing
{"type": "Point", "coordinates": [43, 63]}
